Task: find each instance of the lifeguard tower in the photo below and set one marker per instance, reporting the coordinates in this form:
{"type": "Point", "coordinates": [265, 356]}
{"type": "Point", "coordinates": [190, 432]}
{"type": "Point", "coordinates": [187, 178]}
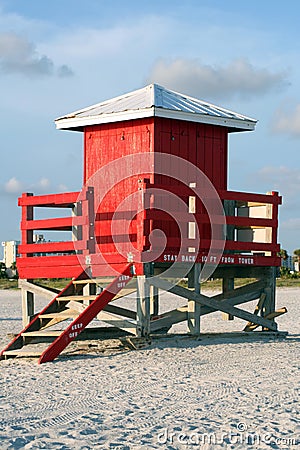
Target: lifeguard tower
{"type": "Point", "coordinates": [154, 209]}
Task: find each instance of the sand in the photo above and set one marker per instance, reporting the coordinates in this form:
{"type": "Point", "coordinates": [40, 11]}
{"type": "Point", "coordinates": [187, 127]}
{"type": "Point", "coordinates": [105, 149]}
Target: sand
{"type": "Point", "coordinates": [177, 393]}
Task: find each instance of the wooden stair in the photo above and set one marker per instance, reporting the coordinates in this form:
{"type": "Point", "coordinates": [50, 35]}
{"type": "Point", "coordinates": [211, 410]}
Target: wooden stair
{"type": "Point", "coordinates": [39, 340]}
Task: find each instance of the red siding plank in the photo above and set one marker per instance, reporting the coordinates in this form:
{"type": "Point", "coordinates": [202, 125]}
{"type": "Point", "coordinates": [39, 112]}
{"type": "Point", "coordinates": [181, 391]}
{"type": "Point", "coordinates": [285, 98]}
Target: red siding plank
{"type": "Point", "coordinates": [50, 247]}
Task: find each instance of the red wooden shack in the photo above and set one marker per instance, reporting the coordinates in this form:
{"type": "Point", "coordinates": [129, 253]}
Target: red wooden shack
{"type": "Point", "coordinates": [155, 195]}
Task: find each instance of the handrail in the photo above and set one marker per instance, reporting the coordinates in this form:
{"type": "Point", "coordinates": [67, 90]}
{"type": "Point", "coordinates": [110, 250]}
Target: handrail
{"type": "Point", "coordinates": [251, 228]}
{"type": "Point", "coordinates": [76, 222]}
{"type": "Point", "coordinates": [239, 209]}
{"type": "Point", "coordinates": [183, 190]}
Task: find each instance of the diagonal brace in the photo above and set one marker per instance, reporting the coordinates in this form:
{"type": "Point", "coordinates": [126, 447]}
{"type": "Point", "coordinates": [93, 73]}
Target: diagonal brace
{"type": "Point", "coordinates": [223, 306]}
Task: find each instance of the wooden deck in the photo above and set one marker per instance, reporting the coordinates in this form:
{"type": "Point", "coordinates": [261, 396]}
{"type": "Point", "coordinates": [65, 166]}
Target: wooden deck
{"type": "Point", "coordinates": [246, 233]}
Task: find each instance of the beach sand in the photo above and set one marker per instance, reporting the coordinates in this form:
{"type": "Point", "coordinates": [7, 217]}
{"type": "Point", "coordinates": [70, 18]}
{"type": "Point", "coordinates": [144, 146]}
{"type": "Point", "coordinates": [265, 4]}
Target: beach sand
{"type": "Point", "coordinates": [176, 393]}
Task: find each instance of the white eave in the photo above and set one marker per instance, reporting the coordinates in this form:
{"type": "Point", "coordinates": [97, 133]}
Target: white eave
{"type": "Point", "coordinates": [155, 101]}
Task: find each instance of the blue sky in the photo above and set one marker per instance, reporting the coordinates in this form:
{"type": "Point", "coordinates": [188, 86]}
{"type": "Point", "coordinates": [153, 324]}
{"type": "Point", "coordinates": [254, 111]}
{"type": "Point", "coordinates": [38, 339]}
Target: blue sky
{"type": "Point", "coordinates": [63, 55]}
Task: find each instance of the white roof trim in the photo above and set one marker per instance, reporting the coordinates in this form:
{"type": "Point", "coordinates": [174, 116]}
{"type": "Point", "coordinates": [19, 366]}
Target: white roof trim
{"type": "Point", "coordinates": [191, 117]}
{"type": "Point", "coordinates": [79, 122]}
{"type": "Point", "coordinates": [154, 100]}
{"type": "Point", "coordinates": [65, 123]}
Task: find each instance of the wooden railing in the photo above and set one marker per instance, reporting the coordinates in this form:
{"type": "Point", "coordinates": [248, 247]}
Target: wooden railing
{"type": "Point", "coordinates": [56, 255]}
{"type": "Point", "coordinates": [247, 226]}
{"type": "Point", "coordinates": [251, 221]}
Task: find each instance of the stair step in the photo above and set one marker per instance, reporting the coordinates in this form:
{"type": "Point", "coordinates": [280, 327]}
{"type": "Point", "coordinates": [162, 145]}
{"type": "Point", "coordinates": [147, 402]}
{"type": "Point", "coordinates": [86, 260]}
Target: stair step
{"type": "Point", "coordinates": [42, 333]}
{"type": "Point", "coordinates": [28, 351]}
{"type": "Point", "coordinates": [94, 280]}
{"type": "Point", "coordinates": [102, 281]}
{"type": "Point", "coordinates": [67, 314]}
{"type": "Point", "coordinates": [78, 298]}
{"type": "Point", "coordinates": [33, 341]}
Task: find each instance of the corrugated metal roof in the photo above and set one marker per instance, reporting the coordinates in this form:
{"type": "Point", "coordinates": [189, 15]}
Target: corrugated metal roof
{"type": "Point", "coordinates": [155, 100]}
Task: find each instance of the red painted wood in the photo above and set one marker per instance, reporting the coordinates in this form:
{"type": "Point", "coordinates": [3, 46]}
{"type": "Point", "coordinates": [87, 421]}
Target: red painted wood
{"type": "Point", "coordinates": [274, 199]}
{"type": "Point", "coordinates": [34, 325]}
{"type": "Point", "coordinates": [106, 143]}
{"type": "Point", "coordinates": [91, 311]}
{"type": "Point", "coordinates": [183, 190]}
{"type": "Point", "coordinates": [62, 267]}
{"type": "Point", "coordinates": [60, 223]}
{"type": "Point", "coordinates": [64, 200]}
{"type": "Point", "coordinates": [238, 221]}
{"type": "Point", "coordinates": [225, 260]}
{"type": "Point", "coordinates": [27, 215]}
{"type": "Point", "coordinates": [229, 245]}
{"type": "Point", "coordinates": [51, 247]}
{"type": "Point", "coordinates": [68, 266]}
{"type": "Point", "coordinates": [205, 146]}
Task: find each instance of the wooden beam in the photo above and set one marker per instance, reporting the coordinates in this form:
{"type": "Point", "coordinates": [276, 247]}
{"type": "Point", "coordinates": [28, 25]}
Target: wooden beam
{"type": "Point", "coordinates": [126, 325]}
{"type": "Point", "coordinates": [120, 311]}
{"type": "Point", "coordinates": [154, 301]}
{"type": "Point", "coordinates": [58, 317]}
{"type": "Point", "coordinates": [256, 286]}
{"type": "Point", "coordinates": [194, 308]}
{"type": "Point", "coordinates": [104, 316]}
{"type": "Point", "coordinates": [270, 291]}
{"type": "Point", "coordinates": [223, 306]}
{"type": "Point", "coordinates": [252, 326]}
{"type": "Point", "coordinates": [143, 302]}
{"type": "Point", "coordinates": [168, 319]}
{"type": "Point", "coordinates": [257, 309]}
{"type": "Point", "coordinates": [234, 300]}
{"type": "Point", "coordinates": [227, 286]}
{"type": "Point", "coordinates": [240, 295]}
{"type": "Point", "coordinates": [240, 272]}
{"type": "Point", "coordinates": [38, 289]}
{"type": "Point", "coordinates": [63, 200]}
{"type": "Point", "coordinates": [59, 223]}
{"type": "Point", "coordinates": [27, 307]}
{"type": "Point", "coordinates": [51, 247]}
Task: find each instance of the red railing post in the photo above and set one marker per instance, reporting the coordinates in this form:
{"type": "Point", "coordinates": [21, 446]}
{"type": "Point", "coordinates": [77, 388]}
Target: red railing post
{"type": "Point", "coordinates": [275, 217]}
{"type": "Point", "coordinates": [142, 222]}
{"type": "Point", "coordinates": [27, 214]}
{"type": "Point", "coordinates": [88, 221]}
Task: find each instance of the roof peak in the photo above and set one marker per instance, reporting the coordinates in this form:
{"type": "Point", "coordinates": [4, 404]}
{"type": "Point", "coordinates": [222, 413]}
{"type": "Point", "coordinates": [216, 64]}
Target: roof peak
{"type": "Point", "coordinates": [155, 100]}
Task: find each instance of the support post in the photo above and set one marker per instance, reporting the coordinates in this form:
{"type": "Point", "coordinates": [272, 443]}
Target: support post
{"type": "Point", "coordinates": [143, 302]}
{"type": "Point", "coordinates": [194, 308]}
{"type": "Point", "coordinates": [229, 209]}
{"type": "Point", "coordinates": [154, 301]}
{"type": "Point", "coordinates": [77, 229]}
{"type": "Point", "coordinates": [228, 283]}
{"type": "Point", "coordinates": [89, 289]}
{"type": "Point", "coordinates": [27, 238]}
{"type": "Point", "coordinates": [27, 215]}
{"type": "Point", "coordinates": [270, 291]}
{"type": "Point", "coordinates": [27, 306]}
{"type": "Point", "coordinates": [227, 286]}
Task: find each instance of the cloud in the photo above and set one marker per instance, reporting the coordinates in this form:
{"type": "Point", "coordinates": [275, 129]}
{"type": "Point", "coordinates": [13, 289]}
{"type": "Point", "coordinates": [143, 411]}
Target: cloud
{"type": "Point", "coordinates": [62, 188]}
{"type": "Point", "coordinates": [287, 121]}
{"type": "Point", "coordinates": [16, 187]}
{"type": "Point", "coordinates": [13, 186]}
{"type": "Point", "coordinates": [19, 56]}
{"type": "Point", "coordinates": [43, 184]}
{"type": "Point", "coordinates": [237, 78]}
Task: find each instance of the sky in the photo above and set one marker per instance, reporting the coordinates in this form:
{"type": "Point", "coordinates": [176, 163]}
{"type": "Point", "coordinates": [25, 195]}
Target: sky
{"type": "Point", "coordinates": [63, 55]}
